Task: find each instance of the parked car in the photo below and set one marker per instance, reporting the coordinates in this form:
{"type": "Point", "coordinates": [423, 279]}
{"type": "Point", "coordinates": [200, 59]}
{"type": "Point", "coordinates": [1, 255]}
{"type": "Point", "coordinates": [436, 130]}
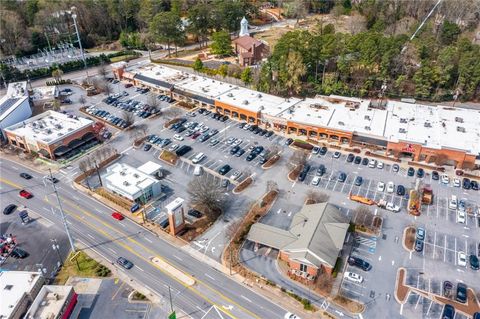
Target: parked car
{"type": "Point", "coordinates": [365, 161]}
{"type": "Point", "coordinates": [395, 168]}
{"type": "Point", "coordinates": [350, 158]}
{"type": "Point", "coordinates": [445, 179]}
{"type": "Point", "coordinates": [224, 169]}
{"type": "Point", "coordinates": [380, 187]}
{"type": "Point", "coordinates": [435, 176]}
{"type": "Point", "coordinates": [448, 312]}
{"type": "Point", "coordinates": [401, 190]}
{"type": "Point", "coordinates": [461, 259]}
{"type": "Point", "coordinates": [147, 147]}
{"type": "Point", "coordinates": [19, 253]}
{"type": "Point", "coordinates": [357, 160]}
{"type": "Point", "coordinates": [342, 177]}
{"type": "Point", "coordinates": [235, 175]}
{"type": "Point", "coordinates": [466, 184]}
{"type": "Point", "coordinates": [392, 207]}
{"type": "Point", "coordinates": [447, 288]}
{"type": "Point", "coordinates": [420, 233]}
{"type": "Point", "coordinates": [25, 175]}
{"type": "Point", "coordinates": [195, 213]}
{"type": "Point", "coordinates": [125, 263]}
{"type": "Point", "coordinates": [337, 155]}
{"type": "Point", "coordinates": [225, 183]}
{"type": "Point", "coordinates": [474, 264]}
{"type": "Point", "coordinates": [474, 185]}
{"type": "Point", "coordinates": [359, 263]}
{"type": "Point", "coordinates": [184, 149]}
{"type": "Point", "coordinates": [411, 171]}
{"type": "Point", "coordinates": [316, 180]}
{"type": "Point", "coordinates": [321, 170]}
{"type": "Point", "coordinates": [390, 187]}
{"type": "Point", "coordinates": [251, 156]}
{"type": "Point", "coordinates": [420, 173]}
{"type": "Point", "coordinates": [290, 315]}
{"type": "Point", "coordinates": [358, 180]}
{"type": "Point", "coordinates": [461, 295]}
{"type": "Point", "coordinates": [240, 152]}
{"type": "Point", "coordinates": [288, 141]}
{"type": "Point", "coordinates": [315, 150]}
{"type": "Point", "coordinates": [380, 165]}
{"type": "Point", "coordinates": [323, 150]}
{"type": "Point", "coordinates": [418, 245]}
{"type": "Point", "coordinates": [353, 277]}
{"type": "Point", "coordinates": [117, 216]}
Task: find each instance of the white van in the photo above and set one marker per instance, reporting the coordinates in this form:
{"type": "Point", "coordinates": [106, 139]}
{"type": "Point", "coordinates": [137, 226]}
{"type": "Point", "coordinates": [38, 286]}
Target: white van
{"type": "Point", "coordinates": [453, 202]}
{"type": "Point", "coordinates": [198, 170]}
{"type": "Point", "coordinates": [198, 158]}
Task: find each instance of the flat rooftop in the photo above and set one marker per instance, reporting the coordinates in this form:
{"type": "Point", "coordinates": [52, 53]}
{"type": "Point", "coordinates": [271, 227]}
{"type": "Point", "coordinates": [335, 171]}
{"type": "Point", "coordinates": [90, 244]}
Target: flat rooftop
{"type": "Point", "coordinates": [44, 93]}
{"type": "Point", "coordinates": [204, 86]}
{"type": "Point", "coordinates": [128, 179]}
{"type": "Point", "coordinates": [17, 89]}
{"type": "Point", "coordinates": [50, 300]}
{"type": "Point", "coordinates": [49, 127]}
{"type": "Point", "coordinates": [255, 101]}
{"type": "Point", "coordinates": [13, 286]}
{"type": "Point", "coordinates": [149, 168]}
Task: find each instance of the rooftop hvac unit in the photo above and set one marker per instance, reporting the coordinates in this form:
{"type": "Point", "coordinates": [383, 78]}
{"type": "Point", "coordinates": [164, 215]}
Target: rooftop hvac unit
{"type": "Point", "coordinates": [126, 183]}
{"type": "Point", "coordinates": [403, 120]}
{"type": "Point", "coordinates": [460, 129]}
{"type": "Point", "coordinates": [245, 102]}
{"type": "Point", "coordinates": [427, 124]}
{"type": "Point", "coordinates": [367, 117]}
{"type": "Point", "coordinates": [230, 94]}
{"type": "Point", "coordinates": [402, 130]}
{"type": "Point", "coordinates": [459, 119]}
{"type": "Point", "coordinates": [136, 175]}
{"type": "Point", "coordinates": [48, 131]}
{"type": "Point", "coordinates": [367, 128]}
{"type": "Point", "coordinates": [123, 173]}
{"type": "Point", "coordinates": [341, 123]}
{"type": "Point", "coordinates": [58, 126]}
{"type": "Point", "coordinates": [259, 95]}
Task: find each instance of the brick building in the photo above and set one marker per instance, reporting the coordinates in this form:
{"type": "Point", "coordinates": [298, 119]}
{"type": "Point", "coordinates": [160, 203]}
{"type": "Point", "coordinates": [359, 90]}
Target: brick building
{"type": "Point", "coordinates": [249, 50]}
{"type": "Point", "coordinates": [53, 135]}
{"type": "Point", "coordinates": [311, 244]}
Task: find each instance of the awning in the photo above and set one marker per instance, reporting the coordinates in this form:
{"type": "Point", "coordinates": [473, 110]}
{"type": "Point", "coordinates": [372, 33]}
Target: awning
{"type": "Point", "coordinates": [88, 137]}
{"type": "Point", "coordinates": [61, 150]}
{"type": "Point", "coordinates": [75, 143]}
{"type": "Point", "coordinates": [44, 153]}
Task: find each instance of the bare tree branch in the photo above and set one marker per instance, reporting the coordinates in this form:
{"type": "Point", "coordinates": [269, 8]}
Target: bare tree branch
{"type": "Point", "coordinates": [207, 195]}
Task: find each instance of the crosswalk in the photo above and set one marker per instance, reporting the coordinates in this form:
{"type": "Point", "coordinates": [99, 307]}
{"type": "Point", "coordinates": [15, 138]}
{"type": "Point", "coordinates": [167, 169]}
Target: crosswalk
{"type": "Point", "coordinates": [366, 243]}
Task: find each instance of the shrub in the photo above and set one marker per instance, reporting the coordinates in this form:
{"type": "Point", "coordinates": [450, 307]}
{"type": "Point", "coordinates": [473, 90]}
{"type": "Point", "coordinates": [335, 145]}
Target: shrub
{"type": "Point", "coordinates": [302, 144]}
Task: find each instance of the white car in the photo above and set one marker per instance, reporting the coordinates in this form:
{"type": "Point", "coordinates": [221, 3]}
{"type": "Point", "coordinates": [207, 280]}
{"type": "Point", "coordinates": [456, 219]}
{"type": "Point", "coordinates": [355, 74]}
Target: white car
{"type": "Point", "coordinates": [353, 277]}
{"type": "Point", "coordinates": [230, 140]}
{"type": "Point", "coordinates": [461, 217]}
{"type": "Point", "coordinates": [380, 165]}
{"type": "Point", "coordinates": [453, 203]}
{"type": "Point", "coordinates": [392, 207]}
{"type": "Point", "coordinates": [445, 179]}
{"type": "Point", "coordinates": [462, 259]}
{"type": "Point", "coordinates": [246, 127]}
{"type": "Point", "coordinates": [237, 142]}
{"type": "Point", "coordinates": [380, 187]}
{"type": "Point", "coordinates": [456, 182]}
{"type": "Point", "coordinates": [390, 187]}
{"type": "Point", "coordinates": [316, 180]}
{"type": "Point", "coordinates": [290, 315]}
{"type": "Point", "coordinates": [235, 175]}
{"type": "Point", "coordinates": [372, 163]}
{"type": "Point", "coordinates": [178, 137]}
{"type": "Point", "coordinates": [173, 147]}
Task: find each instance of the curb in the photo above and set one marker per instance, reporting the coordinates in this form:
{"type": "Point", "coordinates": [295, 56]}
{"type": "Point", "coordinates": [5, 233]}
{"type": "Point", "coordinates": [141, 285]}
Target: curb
{"type": "Point", "coordinates": [404, 237]}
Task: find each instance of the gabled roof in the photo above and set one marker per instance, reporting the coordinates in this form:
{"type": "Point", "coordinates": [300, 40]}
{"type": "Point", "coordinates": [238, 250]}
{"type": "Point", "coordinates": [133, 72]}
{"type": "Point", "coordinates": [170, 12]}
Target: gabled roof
{"type": "Point", "coordinates": [315, 236]}
{"type": "Point", "coordinates": [247, 42]}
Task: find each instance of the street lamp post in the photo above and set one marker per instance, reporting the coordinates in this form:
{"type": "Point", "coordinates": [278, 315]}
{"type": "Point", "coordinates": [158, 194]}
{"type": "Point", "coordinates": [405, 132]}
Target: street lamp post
{"type": "Point", "coordinates": [74, 17]}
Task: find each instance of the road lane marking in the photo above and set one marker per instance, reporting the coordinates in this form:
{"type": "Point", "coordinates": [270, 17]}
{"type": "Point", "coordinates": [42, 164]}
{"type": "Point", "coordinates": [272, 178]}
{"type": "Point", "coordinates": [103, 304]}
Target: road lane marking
{"type": "Point", "coordinates": [151, 242]}
{"type": "Point", "coordinates": [139, 268]}
{"type": "Point", "coordinates": [178, 257]}
{"type": "Point", "coordinates": [113, 251]}
{"type": "Point", "coordinates": [245, 298]}
{"type": "Point", "coordinates": [89, 235]}
{"type": "Point", "coordinates": [209, 276]}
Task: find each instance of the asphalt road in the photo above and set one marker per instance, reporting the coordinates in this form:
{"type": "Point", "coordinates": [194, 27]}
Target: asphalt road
{"type": "Point", "coordinates": [94, 228]}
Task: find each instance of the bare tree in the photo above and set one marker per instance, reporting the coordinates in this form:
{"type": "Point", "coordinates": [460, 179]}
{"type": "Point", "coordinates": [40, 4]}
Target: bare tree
{"type": "Point", "coordinates": [298, 158]}
{"type": "Point", "coordinates": [128, 117]}
{"type": "Point", "coordinates": [274, 150]}
{"type": "Point", "coordinates": [232, 228]}
{"type": "Point", "coordinates": [208, 195]}
{"type": "Point", "coordinates": [172, 113]}
{"type": "Point", "coordinates": [272, 186]}
{"type": "Point", "coordinates": [84, 167]}
{"type": "Point", "coordinates": [325, 282]}
{"type": "Point", "coordinates": [107, 88]}
{"type": "Point", "coordinates": [317, 197]}
{"type": "Point", "coordinates": [363, 216]}
{"type": "Point", "coordinates": [82, 100]}
{"type": "Point", "coordinates": [102, 70]}
{"type": "Point", "coordinates": [153, 101]}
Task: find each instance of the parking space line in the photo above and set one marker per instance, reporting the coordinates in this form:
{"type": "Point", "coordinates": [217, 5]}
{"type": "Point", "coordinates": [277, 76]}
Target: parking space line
{"type": "Point", "coordinates": [434, 244]}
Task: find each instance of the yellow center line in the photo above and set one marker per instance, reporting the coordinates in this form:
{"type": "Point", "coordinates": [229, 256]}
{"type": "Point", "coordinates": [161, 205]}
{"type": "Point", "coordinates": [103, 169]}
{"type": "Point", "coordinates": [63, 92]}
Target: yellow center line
{"type": "Point", "coordinates": [130, 249]}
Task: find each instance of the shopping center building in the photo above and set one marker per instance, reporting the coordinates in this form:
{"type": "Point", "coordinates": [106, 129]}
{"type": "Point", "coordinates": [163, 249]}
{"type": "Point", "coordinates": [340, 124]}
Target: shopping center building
{"type": "Point", "coordinates": [433, 134]}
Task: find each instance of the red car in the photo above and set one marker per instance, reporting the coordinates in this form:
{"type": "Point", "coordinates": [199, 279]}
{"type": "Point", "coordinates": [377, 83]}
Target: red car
{"type": "Point", "coordinates": [128, 85]}
{"type": "Point", "coordinates": [195, 135]}
{"type": "Point", "coordinates": [117, 216]}
{"type": "Point", "coordinates": [25, 194]}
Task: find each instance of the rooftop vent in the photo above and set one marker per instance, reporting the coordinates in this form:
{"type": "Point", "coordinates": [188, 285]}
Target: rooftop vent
{"type": "Point", "coordinates": [126, 183]}
{"type": "Point", "coordinates": [427, 124]}
{"type": "Point", "coordinates": [230, 94]}
{"type": "Point", "coordinates": [403, 120]}
{"type": "Point", "coordinates": [136, 175]}
{"type": "Point", "coordinates": [459, 119]}
{"type": "Point", "coordinates": [367, 128]}
{"type": "Point", "coordinates": [259, 95]}
{"type": "Point", "coordinates": [341, 123]}
{"type": "Point", "coordinates": [245, 102]}
{"type": "Point", "coordinates": [402, 130]}
{"type": "Point", "coordinates": [460, 129]}
{"type": "Point", "coordinates": [367, 117]}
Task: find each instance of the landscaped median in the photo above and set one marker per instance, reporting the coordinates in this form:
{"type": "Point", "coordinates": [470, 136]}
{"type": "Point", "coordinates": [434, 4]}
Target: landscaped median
{"type": "Point", "coordinates": [168, 157]}
{"type": "Point", "coordinates": [243, 185]}
{"type": "Point", "coordinates": [271, 161]}
{"type": "Point", "coordinates": [179, 275]}
{"type": "Point", "coordinates": [293, 174]}
{"type": "Point", "coordinates": [409, 238]}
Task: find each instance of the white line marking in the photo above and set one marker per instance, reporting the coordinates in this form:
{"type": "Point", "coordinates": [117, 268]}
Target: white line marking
{"type": "Point", "coordinates": [151, 242]}
{"type": "Point", "coordinates": [90, 236]}
{"type": "Point", "coordinates": [209, 276]}
{"type": "Point", "coordinates": [113, 251]}
{"type": "Point", "coordinates": [139, 268]}
{"type": "Point", "coordinates": [245, 298]}
{"type": "Point", "coordinates": [177, 257]}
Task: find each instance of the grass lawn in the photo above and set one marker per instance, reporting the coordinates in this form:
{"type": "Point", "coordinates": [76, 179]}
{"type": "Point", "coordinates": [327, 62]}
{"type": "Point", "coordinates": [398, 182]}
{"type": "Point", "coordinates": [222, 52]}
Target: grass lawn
{"type": "Point", "coordinates": [87, 267]}
{"type": "Point", "coordinates": [122, 58]}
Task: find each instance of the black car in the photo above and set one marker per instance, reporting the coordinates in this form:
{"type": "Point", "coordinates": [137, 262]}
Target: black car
{"type": "Point", "coordinates": [241, 125]}
{"type": "Point", "coordinates": [224, 169]}
{"type": "Point", "coordinates": [262, 160]}
{"type": "Point", "coordinates": [225, 182]}
{"type": "Point", "coordinates": [365, 161]}
{"type": "Point", "coordinates": [420, 173]}
{"type": "Point", "coordinates": [474, 185]}
{"type": "Point", "coordinates": [448, 312]}
{"type": "Point", "coordinates": [19, 253]}
{"type": "Point", "coordinates": [357, 160]}
{"type": "Point", "coordinates": [240, 152]}
{"type": "Point", "coordinates": [466, 183]}
{"type": "Point", "coordinates": [350, 158]}
{"type": "Point", "coordinates": [253, 128]}
{"type": "Point", "coordinates": [269, 133]}
{"type": "Point", "coordinates": [251, 156]}
{"type": "Point", "coordinates": [25, 175]}
{"type": "Point", "coordinates": [234, 149]}
{"type": "Point", "coordinates": [258, 149]}
{"type": "Point", "coordinates": [195, 213]}
{"type": "Point", "coordinates": [474, 262]}
{"type": "Point", "coordinates": [342, 177]}
{"type": "Point", "coordinates": [165, 223]}
{"type": "Point", "coordinates": [9, 209]}
{"type": "Point", "coordinates": [323, 150]}
{"type": "Point", "coordinates": [321, 170]}
{"type": "Point", "coordinates": [224, 118]}
{"type": "Point", "coordinates": [262, 132]}
{"type": "Point", "coordinates": [461, 293]}
{"type": "Point", "coordinates": [257, 130]}
{"type": "Point", "coordinates": [358, 180]}
{"type": "Point", "coordinates": [418, 245]}
{"type": "Point", "coordinates": [304, 173]}
{"type": "Point", "coordinates": [400, 190]}
{"type": "Point", "coordinates": [147, 147]}
{"type": "Point", "coordinates": [435, 176]}
{"type": "Point", "coordinates": [125, 263]}
{"type": "Point", "coordinates": [184, 149]}
{"type": "Point", "coordinates": [476, 315]}
{"type": "Point", "coordinates": [289, 141]}
{"type": "Point", "coordinates": [359, 262]}
{"type": "Point", "coordinates": [411, 171]}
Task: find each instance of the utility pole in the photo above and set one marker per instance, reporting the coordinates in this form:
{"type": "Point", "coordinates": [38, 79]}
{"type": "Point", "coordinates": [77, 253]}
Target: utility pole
{"type": "Point", "coordinates": [56, 247]}
{"type": "Point", "coordinates": [64, 218]}
{"type": "Point", "coordinates": [170, 297]}
{"type": "Point", "coordinates": [74, 17]}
